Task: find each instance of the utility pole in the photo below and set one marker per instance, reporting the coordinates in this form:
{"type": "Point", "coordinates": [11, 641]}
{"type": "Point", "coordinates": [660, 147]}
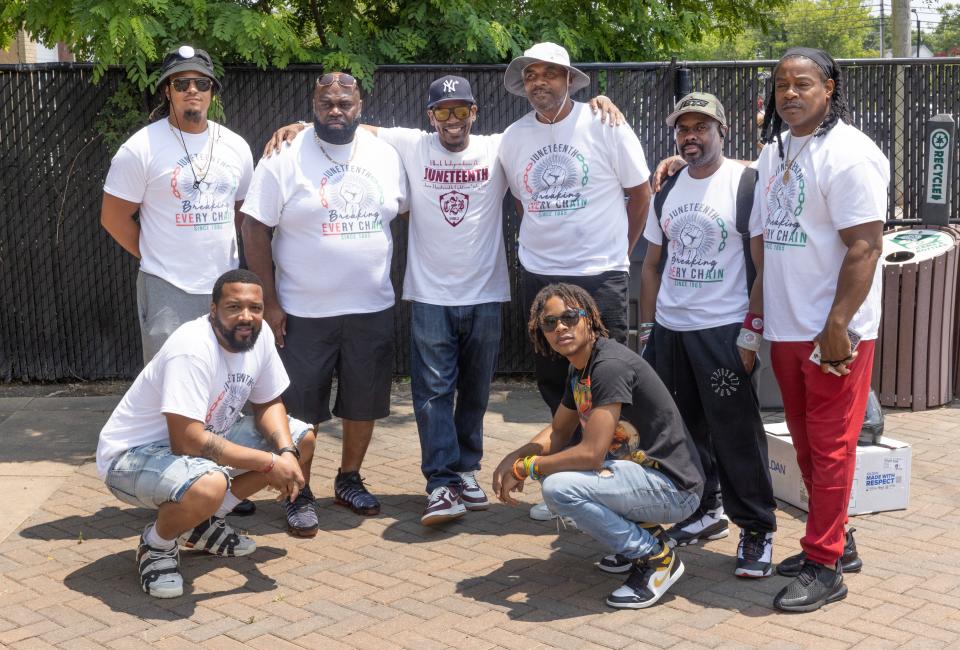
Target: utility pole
{"type": "Point", "coordinates": [901, 27]}
{"type": "Point", "coordinates": [883, 44]}
{"type": "Point", "coordinates": [914, 12]}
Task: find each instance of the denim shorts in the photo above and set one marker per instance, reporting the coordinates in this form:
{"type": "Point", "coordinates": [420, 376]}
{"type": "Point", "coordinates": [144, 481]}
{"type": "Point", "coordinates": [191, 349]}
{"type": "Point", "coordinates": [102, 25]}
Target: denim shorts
{"type": "Point", "coordinates": [150, 475]}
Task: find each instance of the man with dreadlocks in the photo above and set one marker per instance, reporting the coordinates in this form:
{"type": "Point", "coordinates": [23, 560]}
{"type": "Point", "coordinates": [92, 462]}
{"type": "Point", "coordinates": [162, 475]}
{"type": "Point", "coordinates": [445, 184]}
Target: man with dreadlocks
{"type": "Point", "coordinates": [822, 199]}
{"type": "Point", "coordinates": [635, 466]}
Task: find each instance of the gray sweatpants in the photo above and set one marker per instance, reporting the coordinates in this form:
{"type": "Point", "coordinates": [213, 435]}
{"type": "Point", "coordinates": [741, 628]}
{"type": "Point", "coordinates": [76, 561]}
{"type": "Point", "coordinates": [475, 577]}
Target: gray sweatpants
{"type": "Point", "coordinates": [162, 308]}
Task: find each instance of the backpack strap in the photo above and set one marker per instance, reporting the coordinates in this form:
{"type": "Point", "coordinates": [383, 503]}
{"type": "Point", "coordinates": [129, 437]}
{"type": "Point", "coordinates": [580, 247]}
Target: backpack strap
{"type": "Point", "coordinates": [658, 200]}
{"type": "Point", "coordinates": [745, 190]}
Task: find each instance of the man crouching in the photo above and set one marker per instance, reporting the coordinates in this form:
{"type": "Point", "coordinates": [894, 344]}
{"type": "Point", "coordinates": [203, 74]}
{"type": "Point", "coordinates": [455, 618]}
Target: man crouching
{"type": "Point", "coordinates": [178, 443]}
{"type": "Point", "coordinates": [635, 468]}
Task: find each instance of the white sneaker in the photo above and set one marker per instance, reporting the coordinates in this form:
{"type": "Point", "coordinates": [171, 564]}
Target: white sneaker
{"type": "Point", "coordinates": [443, 504]}
{"type": "Point", "coordinates": [473, 496]}
{"type": "Point", "coordinates": [713, 524]}
{"type": "Point", "coordinates": [754, 555]}
{"type": "Point", "coordinates": [541, 512]}
{"type": "Point", "coordinates": [217, 537]}
{"type": "Point", "coordinates": [159, 569]}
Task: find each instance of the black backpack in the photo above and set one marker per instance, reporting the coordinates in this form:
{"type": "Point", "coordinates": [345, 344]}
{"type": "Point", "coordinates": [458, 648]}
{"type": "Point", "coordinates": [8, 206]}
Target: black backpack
{"type": "Point", "coordinates": [748, 181]}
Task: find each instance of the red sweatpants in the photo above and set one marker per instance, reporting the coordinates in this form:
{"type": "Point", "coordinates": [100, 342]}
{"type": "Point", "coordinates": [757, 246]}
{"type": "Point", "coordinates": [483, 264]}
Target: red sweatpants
{"type": "Point", "coordinates": [824, 414]}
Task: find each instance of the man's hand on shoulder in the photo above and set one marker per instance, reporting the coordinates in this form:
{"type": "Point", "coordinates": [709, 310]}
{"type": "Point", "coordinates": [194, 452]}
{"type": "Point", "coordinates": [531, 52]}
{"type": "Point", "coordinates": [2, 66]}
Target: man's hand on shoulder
{"type": "Point", "coordinates": [285, 134]}
{"type": "Point", "coordinates": [609, 113]}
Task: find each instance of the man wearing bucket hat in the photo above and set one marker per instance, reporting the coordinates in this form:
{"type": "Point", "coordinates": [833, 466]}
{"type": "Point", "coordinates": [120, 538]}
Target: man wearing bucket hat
{"type": "Point", "coordinates": [456, 279]}
{"type": "Point", "coordinates": [695, 297]}
{"type": "Point", "coordinates": [569, 175]}
{"type": "Point", "coordinates": [186, 176]}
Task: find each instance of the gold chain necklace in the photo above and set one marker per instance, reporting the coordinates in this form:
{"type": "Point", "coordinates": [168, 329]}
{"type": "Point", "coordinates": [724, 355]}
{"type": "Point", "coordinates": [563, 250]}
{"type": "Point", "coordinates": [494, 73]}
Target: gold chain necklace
{"type": "Point", "coordinates": [353, 151]}
{"type": "Point", "coordinates": [789, 163]}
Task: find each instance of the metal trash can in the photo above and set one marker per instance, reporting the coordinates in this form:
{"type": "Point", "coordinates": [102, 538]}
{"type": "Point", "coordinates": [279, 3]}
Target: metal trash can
{"type": "Point", "coordinates": [915, 352]}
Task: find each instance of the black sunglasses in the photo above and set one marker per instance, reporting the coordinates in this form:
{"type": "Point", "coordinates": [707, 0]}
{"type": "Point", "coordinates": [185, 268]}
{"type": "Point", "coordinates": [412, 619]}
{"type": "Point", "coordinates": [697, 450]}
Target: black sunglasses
{"type": "Point", "coordinates": [443, 114]}
{"type": "Point", "coordinates": [569, 318]}
{"type": "Point", "coordinates": [341, 78]}
{"type": "Point", "coordinates": [182, 84]}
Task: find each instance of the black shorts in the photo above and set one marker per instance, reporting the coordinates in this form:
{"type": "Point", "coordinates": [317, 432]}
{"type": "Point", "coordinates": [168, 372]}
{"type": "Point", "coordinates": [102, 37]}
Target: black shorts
{"type": "Point", "coordinates": [358, 348]}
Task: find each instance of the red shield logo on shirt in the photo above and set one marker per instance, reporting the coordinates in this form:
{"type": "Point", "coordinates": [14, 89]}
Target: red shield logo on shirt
{"type": "Point", "coordinates": [454, 206]}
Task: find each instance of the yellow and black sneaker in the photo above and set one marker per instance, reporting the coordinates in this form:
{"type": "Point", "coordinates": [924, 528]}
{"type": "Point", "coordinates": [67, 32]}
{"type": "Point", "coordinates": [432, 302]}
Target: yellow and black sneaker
{"type": "Point", "coordinates": [649, 579]}
{"type": "Point", "coordinates": [617, 563]}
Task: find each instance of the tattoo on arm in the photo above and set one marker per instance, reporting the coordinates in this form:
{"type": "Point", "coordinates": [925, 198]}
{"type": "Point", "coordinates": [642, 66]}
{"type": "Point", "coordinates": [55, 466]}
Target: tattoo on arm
{"type": "Point", "coordinates": [212, 447]}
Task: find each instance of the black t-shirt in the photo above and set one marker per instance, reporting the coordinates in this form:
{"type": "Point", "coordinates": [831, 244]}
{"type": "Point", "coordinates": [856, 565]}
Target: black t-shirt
{"type": "Point", "coordinates": [651, 431]}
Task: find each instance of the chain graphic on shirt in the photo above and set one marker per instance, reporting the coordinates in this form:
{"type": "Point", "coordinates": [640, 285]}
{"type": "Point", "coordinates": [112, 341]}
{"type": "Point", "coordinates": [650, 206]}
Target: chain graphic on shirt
{"type": "Point", "coordinates": [225, 409]}
{"type": "Point", "coordinates": [554, 178]}
{"type": "Point", "coordinates": [209, 204]}
{"type": "Point", "coordinates": [784, 206]}
{"type": "Point", "coordinates": [353, 197]}
{"type": "Point", "coordinates": [697, 233]}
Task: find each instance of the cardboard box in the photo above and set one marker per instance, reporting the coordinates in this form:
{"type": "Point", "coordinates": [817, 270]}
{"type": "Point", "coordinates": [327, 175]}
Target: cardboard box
{"type": "Point", "coordinates": [881, 481]}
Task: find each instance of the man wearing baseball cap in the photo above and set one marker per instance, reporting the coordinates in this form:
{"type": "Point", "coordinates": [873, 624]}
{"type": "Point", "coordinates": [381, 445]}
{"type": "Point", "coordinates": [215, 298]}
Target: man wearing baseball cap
{"type": "Point", "coordinates": [704, 324]}
{"type": "Point", "coordinates": [569, 176]}
{"type": "Point", "coordinates": [456, 279]}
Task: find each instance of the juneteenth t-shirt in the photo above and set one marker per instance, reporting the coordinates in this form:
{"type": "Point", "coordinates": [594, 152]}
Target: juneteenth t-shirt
{"type": "Point", "coordinates": [331, 214]}
{"type": "Point", "coordinates": [187, 233]}
{"type": "Point", "coordinates": [570, 178]}
{"type": "Point", "coordinates": [455, 253]}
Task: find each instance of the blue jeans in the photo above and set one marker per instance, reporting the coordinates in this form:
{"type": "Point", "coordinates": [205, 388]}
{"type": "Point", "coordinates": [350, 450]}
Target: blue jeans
{"type": "Point", "coordinates": [452, 349]}
{"type": "Point", "coordinates": [607, 505]}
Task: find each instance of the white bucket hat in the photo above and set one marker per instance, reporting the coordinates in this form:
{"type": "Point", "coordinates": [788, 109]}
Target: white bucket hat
{"type": "Point", "coordinates": [542, 53]}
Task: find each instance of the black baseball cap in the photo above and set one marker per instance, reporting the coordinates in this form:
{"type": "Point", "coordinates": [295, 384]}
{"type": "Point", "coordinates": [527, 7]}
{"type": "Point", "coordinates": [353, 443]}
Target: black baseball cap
{"type": "Point", "coordinates": [449, 87]}
{"type": "Point", "coordinates": [186, 58]}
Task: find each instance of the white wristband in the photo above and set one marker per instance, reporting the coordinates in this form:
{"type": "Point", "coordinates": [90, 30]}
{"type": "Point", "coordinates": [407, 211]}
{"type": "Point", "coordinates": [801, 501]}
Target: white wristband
{"type": "Point", "coordinates": [748, 340]}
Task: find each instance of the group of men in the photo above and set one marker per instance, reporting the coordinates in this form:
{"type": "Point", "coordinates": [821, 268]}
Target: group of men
{"type": "Point", "coordinates": [315, 219]}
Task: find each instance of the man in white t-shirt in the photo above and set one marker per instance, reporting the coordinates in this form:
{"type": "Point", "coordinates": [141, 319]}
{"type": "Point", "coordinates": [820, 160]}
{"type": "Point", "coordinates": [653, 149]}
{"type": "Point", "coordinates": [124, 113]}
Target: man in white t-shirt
{"type": "Point", "coordinates": [822, 195]}
{"type": "Point", "coordinates": [178, 443]}
{"type": "Point", "coordinates": [186, 175]}
{"type": "Point", "coordinates": [328, 200]}
{"type": "Point", "coordinates": [706, 330]}
{"type": "Point", "coordinates": [569, 175]}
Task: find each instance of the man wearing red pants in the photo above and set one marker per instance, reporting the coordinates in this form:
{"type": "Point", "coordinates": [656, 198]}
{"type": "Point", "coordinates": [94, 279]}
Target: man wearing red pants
{"type": "Point", "coordinates": [822, 196]}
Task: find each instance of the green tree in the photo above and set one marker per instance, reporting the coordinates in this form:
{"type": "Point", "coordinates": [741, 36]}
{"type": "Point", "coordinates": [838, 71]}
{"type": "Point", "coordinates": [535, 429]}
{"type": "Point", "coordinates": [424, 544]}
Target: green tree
{"type": "Point", "coordinates": [944, 40]}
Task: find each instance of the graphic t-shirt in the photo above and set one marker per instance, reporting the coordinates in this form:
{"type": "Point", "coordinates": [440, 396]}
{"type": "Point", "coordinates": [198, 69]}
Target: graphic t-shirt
{"type": "Point", "coordinates": [704, 282]}
{"type": "Point", "coordinates": [187, 232]}
{"type": "Point", "coordinates": [837, 181]}
{"type": "Point", "coordinates": [192, 376]}
{"type": "Point", "coordinates": [331, 208]}
{"type": "Point", "coordinates": [570, 176]}
{"type": "Point", "coordinates": [455, 253]}
{"type": "Point", "coordinates": [651, 431]}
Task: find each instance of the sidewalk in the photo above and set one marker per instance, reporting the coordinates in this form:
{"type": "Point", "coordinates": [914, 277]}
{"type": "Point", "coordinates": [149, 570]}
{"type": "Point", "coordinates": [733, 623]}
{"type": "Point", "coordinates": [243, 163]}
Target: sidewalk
{"type": "Point", "coordinates": [492, 579]}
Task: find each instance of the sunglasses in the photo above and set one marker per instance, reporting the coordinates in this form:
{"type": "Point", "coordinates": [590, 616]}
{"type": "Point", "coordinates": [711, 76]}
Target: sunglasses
{"type": "Point", "coordinates": [182, 84]}
{"type": "Point", "coordinates": [569, 318]}
{"type": "Point", "coordinates": [342, 78]}
{"type": "Point", "coordinates": [443, 114]}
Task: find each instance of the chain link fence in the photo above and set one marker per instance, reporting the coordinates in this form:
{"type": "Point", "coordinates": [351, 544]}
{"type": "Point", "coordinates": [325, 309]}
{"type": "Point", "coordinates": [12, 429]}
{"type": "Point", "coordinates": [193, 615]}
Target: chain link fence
{"type": "Point", "coordinates": [69, 307]}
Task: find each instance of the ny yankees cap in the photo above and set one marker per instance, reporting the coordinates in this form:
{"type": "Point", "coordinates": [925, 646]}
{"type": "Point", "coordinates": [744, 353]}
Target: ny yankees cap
{"type": "Point", "coordinates": [186, 58]}
{"type": "Point", "coordinates": [704, 103]}
{"type": "Point", "coordinates": [449, 87]}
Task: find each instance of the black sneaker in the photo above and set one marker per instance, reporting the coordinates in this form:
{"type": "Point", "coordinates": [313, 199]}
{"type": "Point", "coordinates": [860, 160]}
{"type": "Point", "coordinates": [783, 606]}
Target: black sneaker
{"type": "Point", "coordinates": [814, 587]}
{"type": "Point", "coordinates": [850, 560]}
{"type": "Point", "coordinates": [349, 491]}
{"type": "Point", "coordinates": [650, 578]}
{"type": "Point", "coordinates": [617, 563]}
{"type": "Point", "coordinates": [754, 555]}
{"type": "Point", "coordinates": [217, 537]}
{"type": "Point", "coordinates": [244, 509]}
{"type": "Point", "coordinates": [712, 524]}
{"type": "Point", "coordinates": [302, 518]}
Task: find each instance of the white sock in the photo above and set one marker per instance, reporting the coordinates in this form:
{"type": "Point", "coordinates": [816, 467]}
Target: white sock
{"type": "Point", "coordinates": [153, 539]}
{"type": "Point", "coordinates": [230, 502]}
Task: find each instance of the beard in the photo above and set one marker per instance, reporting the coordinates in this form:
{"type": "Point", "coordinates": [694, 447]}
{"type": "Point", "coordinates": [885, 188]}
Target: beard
{"type": "Point", "coordinates": [234, 343]}
{"type": "Point", "coordinates": [336, 136]}
{"type": "Point", "coordinates": [192, 115]}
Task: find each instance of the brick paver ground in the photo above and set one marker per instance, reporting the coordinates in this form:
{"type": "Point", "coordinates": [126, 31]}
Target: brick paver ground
{"type": "Point", "coordinates": [493, 579]}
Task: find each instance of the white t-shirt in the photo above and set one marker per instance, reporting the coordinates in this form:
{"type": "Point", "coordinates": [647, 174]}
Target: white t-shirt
{"type": "Point", "coordinates": [704, 282]}
{"type": "Point", "coordinates": [332, 244]}
{"type": "Point", "coordinates": [839, 180]}
{"type": "Point", "coordinates": [455, 254]}
{"type": "Point", "coordinates": [187, 235]}
{"type": "Point", "coordinates": [192, 376]}
{"type": "Point", "coordinates": [570, 176]}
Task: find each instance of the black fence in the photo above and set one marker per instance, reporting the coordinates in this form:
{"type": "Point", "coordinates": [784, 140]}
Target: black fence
{"type": "Point", "coordinates": [68, 298]}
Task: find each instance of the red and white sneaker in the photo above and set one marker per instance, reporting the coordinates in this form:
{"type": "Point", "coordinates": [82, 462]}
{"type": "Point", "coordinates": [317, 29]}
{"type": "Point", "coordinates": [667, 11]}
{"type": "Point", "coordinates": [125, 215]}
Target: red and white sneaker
{"type": "Point", "coordinates": [443, 504]}
{"type": "Point", "coordinates": [473, 496]}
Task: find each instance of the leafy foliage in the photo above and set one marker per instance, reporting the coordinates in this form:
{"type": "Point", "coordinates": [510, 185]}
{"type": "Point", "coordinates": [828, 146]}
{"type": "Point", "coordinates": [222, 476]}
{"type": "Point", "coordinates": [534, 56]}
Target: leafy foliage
{"type": "Point", "coordinates": [944, 40]}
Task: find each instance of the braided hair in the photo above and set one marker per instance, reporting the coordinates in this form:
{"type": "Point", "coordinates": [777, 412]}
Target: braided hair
{"type": "Point", "coordinates": [837, 109]}
{"type": "Point", "coordinates": [573, 297]}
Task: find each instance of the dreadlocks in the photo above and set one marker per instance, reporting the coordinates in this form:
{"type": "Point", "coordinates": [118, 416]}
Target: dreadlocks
{"type": "Point", "coordinates": [163, 109]}
{"type": "Point", "coordinates": [836, 111]}
{"type": "Point", "coordinates": [572, 296]}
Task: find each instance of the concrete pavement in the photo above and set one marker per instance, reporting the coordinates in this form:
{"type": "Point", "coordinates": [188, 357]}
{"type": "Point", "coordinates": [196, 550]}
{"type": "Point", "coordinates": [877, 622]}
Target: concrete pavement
{"type": "Point", "coordinates": [493, 579]}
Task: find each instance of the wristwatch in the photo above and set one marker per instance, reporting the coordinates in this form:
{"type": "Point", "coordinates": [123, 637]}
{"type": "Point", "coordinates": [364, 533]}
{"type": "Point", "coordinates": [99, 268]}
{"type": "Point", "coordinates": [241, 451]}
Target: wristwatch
{"type": "Point", "coordinates": [293, 450]}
